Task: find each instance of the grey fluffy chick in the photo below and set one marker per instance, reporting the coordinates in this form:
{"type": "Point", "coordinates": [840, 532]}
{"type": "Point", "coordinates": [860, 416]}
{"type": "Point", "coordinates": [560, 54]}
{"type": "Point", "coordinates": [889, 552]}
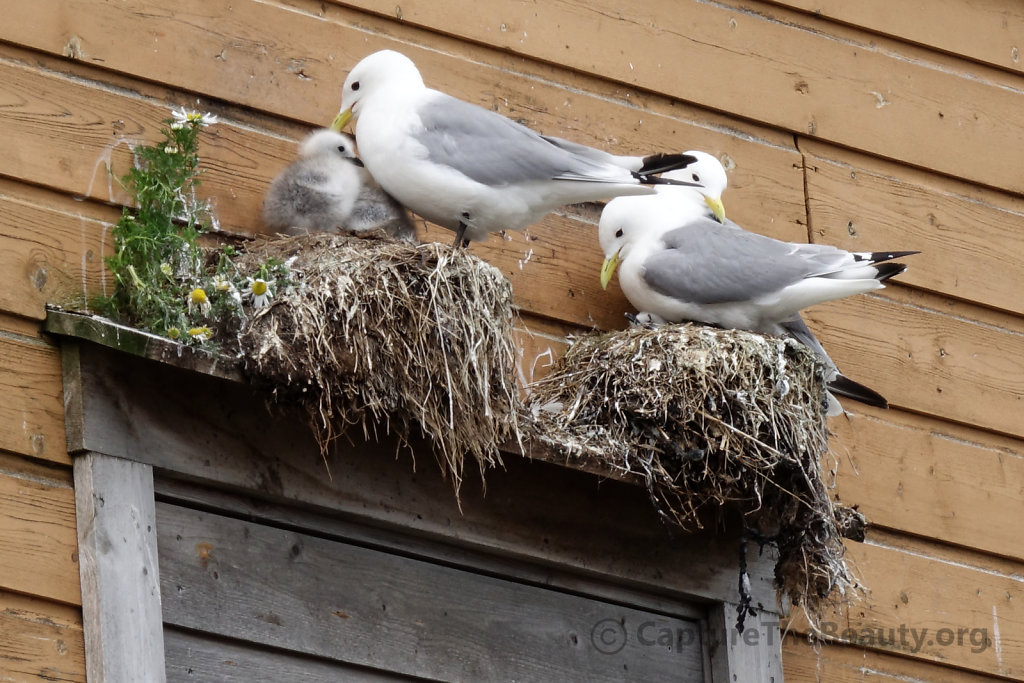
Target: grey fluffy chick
{"type": "Point", "coordinates": [328, 190]}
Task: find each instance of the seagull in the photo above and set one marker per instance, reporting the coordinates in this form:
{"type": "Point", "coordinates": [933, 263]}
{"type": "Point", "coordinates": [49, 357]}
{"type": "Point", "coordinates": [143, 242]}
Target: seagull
{"type": "Point", "coordinates": [469, 169]}
{"type": "Point", "coordinates": [679, 258]}
{"type": "Point", "coordinates": [328, 190]}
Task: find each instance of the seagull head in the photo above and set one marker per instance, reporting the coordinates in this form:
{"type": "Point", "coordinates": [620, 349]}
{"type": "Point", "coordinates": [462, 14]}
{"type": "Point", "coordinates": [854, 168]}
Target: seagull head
{"type": "Point", "coordinates": [622, 223]}
{"type": "Point", "coordinates": [325, 142]}
{"type": "Point", "coordinates": [637, 223]}
{"type": "Point", "coordinates": [382, 71]}
{"type": "Point", "coordinates": [710, 178]}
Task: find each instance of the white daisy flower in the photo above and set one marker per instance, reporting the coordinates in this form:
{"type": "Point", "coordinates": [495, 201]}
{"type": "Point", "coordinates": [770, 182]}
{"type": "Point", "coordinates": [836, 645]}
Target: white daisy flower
{"type": "Point", "coordinates": [171, 149]}
{"type": "Point", "coordinates": [166, 269]}
{"type": "Point", "coordinates": [222, 284]}
{"type": "Point", "coordinates": [184, 116]}
{"type": "Point", "coordinates": [201, 334]}
{"type": "Point", "coordinates": [197, 298]}
{"type": "Point", "coordinates": [260, 291]}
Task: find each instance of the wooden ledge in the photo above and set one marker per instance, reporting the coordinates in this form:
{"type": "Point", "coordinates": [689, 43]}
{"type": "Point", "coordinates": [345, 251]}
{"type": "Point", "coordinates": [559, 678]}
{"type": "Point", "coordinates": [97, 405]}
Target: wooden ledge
{"type": "Point", "coordinates": [139, 343]}
{"type": "Point", "coordinates": [107, 333]}
{"type": "Point", "coordinates": [192, 416]}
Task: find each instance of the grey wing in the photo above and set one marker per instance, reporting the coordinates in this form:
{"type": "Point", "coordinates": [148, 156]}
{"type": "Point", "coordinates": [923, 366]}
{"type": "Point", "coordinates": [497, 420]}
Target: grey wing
{"type": "Point", "coordinates": [494, 150]}
{"type": "Point", "coordinates": [598, 155]}
{"type": "Point", "coordinates": [705, 262]}
{"type": "Point", "coordinates": [293, 198]}
{"type": "Point", "coordinates": [817, 259]}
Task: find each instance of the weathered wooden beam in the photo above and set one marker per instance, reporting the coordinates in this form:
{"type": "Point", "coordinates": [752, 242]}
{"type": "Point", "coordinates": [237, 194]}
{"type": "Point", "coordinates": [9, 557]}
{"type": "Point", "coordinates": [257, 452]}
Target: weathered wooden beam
{"type": "Point", "coordinates": [229, 438]}
{"type": "Point", "coordinates": [370, 607]}
{"type": "Point", "coordinates": [753, 654]}
{"type": "Point", "coordinates": [118, 566]}
{"type": "Point", "coordinates": [196, 656]}
{"type": "Point", "coordinates": [136, 342]}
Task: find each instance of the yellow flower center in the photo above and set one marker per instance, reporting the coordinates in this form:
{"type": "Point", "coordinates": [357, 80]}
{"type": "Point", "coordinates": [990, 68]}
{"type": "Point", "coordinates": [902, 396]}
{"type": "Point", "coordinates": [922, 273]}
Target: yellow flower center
{"type": "Point", "coordinates": [199, 331]}
{"type": "Point", "coordinates": [198, 296]}
{"type": "Point", "coordinates": [173, 332]}
{"type": "Point", "coordinates": [259, 287]}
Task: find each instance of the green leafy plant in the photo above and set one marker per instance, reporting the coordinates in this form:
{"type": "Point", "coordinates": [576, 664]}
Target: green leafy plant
{"type": "Point", "coordinates": [165, 282]}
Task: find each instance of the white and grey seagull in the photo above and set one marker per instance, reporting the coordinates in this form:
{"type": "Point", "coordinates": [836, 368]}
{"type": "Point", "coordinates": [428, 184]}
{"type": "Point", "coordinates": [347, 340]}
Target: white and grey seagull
{"type": "Point", "coordinates": [469, 169]}
{"type": "Point", "coordinates": [679, 258]}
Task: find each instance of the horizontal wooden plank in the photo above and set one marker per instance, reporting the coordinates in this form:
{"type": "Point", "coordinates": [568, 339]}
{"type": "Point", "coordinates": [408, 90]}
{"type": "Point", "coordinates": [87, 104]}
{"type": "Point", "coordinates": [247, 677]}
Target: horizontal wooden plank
{"type": "Point", "coordinates": [348, 603]}
{"type": "Point", "coordinates": [40, 640]}
{"type": "Point", "coordinates": [925, 360]}
{"type": "Point", "coordinates": [940, 611]}
{"type": "Point", "coordinates": [767, 179]}
{"type": "Point", "coordinates": [806, 663]}
{"type": "Point", "coordinates": [38, 541]}
{"type": "Point", "coordinates": [784, 68]}
{"type": "Point", "coordinates": [220, 49]}
{"type": "Point", "coordinates": [984, 30]}
{"type": "Point", "coordinates": [242, 162]}
{"type": "Point", "coordinates": [970, 238]}
{"type": "Point", "coordinates": [538, 344]}
{"type": "Point", "coordinates": [931, 478]}
{"type": "Point", "coordinates": [124, 338]}
{"type": "Point", "coordinates": [401, 542]}
{"type": "Point", "coordinates": [76, 136]}
{"type": "Point", "coordinates": [601, 529]}
{"type": "Point", "coordinates": [51, 251]}
{"type": "Point", "coordinates": [198, 658]}
{"type": "Point", "coordinates": [31, 403]}
{"type": "Point", "coordinates": [40, 470]}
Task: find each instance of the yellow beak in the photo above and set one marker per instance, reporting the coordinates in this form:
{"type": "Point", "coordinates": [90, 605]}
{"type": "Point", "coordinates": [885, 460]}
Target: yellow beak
{"type": "Point", "coordinates": [608, 269]}
{"type": "Point", "coordinates": [341, 120]}
{"type": "Point", "coordinates": [717, 208]}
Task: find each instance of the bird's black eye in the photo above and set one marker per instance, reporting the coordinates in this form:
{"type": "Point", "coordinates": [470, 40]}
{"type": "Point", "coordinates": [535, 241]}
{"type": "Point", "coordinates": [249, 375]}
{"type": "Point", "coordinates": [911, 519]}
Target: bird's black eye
{"type": "Point", "coordinates": [618, 233]}
{"type": "Point", "coordinates": [696, 178]}
{"type": "Point", "coordinates": [355, 86]}
{"type": "Point", "coordinates": [341, 148]}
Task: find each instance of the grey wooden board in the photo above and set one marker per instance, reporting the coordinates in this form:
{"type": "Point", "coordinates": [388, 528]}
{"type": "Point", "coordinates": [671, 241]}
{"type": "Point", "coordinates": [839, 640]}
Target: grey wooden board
{"type": "Point", "coordinates": [199, 658]}
{"type": "Point", "coordinates": [117, 542]}
{"type": "Point", "coordinates": [139, 343]}
{"type": "Point", "coordinates": [332, 526]}
{"type": "Point", "coordinates": [335, 600]}
{"type": "Point", "coordinates": [201, 427]}
{"type": "Point", "coordinates": [753, 655]}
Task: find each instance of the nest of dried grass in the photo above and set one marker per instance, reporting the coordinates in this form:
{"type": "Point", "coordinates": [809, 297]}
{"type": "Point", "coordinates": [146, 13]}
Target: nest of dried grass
{"type": "Point", "coordinates": [414, 338]}
{"type": "Point", "coordinates": [708, 417]}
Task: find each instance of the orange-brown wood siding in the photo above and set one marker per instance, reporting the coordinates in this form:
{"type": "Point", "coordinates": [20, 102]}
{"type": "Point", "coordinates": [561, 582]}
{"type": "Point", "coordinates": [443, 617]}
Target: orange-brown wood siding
{"type": "Point", "coordinates": [866, 125]}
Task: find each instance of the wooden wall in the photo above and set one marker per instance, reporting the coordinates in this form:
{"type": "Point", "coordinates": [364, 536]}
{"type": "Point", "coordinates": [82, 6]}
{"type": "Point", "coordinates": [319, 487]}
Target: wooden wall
{"type": "Point", "coordinates": [867, 125]}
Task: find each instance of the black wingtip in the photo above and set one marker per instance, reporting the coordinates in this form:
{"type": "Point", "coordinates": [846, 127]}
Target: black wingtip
{"type": "Point", "coordinates": [844, 386]}
{"type": "Point", "coordinates": [660, 163]}
{"type": "Point", "coordinates": [880, 256]}
{"type": "Point", "coordinates": [888, 270]}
